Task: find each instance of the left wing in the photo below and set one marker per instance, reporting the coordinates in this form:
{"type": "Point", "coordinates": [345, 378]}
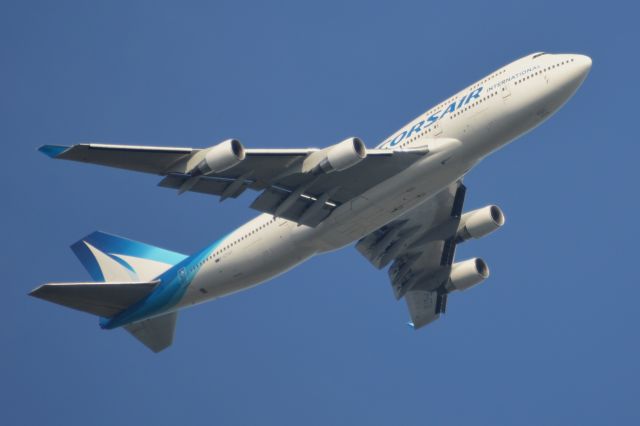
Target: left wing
{"type": "Point", "coordinates": [302, 185]}
{"type": "Point", "coordinates": [420, 246]}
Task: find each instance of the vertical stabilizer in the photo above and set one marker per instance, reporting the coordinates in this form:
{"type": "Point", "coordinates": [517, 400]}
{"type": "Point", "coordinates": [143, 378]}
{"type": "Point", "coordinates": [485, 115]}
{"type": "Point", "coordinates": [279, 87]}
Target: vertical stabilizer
{"type": "Point", "coordinates": [111, 258]}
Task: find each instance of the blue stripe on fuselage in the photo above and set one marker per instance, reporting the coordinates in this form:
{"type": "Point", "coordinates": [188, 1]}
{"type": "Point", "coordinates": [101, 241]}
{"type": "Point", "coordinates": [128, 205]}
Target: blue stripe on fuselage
{"type": "Point", "coordinates": [173, 285]}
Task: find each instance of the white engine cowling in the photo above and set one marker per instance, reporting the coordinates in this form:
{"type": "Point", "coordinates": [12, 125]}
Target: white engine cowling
{"type": "Point", "coordinates": [343, 155]}
{"type": "Point", "coordinates": [467, 273]}
{"type": "Point", "coordinates": [221, 157]}
{"type": "Point", "coordinates": [481, 222]}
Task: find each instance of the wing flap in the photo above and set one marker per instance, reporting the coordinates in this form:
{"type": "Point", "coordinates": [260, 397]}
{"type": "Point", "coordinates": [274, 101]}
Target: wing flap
{"type": "Point", "coordinates": [102, 299]}
{"type": "Point", "coordinates": [377, 167]}
{"type": "Point", "coordinates": [302, 209]}
{"type": "Point", "coordinates": [204, 185]}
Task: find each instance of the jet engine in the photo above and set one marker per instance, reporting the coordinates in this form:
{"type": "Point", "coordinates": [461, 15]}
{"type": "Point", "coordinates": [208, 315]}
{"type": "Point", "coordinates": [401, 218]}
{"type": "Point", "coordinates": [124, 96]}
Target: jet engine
{"type": "Point", "coordinates": [221, 157]}
{"type": "Point", "coordinates": [467, 273]}
{"type": "Point", "coordinates": [342, 156]}
{"type": "Point", "coordinates": [480, 222]}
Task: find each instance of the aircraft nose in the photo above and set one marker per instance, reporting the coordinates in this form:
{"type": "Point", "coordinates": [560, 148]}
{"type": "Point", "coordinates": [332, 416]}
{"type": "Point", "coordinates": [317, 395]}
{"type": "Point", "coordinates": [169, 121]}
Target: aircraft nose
{"type": "Point", "coordinates": [570, 72]}
{"type": "Point", "coordinates": [573, 74]}
{"type": "Point", "coordinates": [583, 64]}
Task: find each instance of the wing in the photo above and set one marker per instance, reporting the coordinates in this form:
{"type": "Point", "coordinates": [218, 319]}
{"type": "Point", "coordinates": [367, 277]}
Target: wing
{"type": "Point", "coordinates": [420, 247]}
{"type": "Point", "coordinates": [289, 189]}
{"type": "Point", "coordinates": [174, 161]}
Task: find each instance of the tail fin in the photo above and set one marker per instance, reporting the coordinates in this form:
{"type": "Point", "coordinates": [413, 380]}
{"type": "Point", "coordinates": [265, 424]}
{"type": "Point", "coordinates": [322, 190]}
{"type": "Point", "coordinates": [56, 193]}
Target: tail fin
{"type": "Point", "coordinates": [111, 258]}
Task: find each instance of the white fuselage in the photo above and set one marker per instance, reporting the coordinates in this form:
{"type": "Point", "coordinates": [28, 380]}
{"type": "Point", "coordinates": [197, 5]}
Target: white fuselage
{"type": "Point", "coordinates": [483, 117]}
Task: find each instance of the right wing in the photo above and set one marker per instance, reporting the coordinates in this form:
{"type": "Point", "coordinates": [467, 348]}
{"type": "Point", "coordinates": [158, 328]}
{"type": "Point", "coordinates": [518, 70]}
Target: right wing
{"type": "Point", "coordinates": [290, 187]}
{"type": "Point", "coordinates": [420, 246]}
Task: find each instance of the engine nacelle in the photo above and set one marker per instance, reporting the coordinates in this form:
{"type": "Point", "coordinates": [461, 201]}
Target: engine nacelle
{"type": "Point", "coordinates": [343, 155]}
{"type": "Point", "coordinates": [467, 273]}
{"type": "Point", "coordinates": [481, 222]}
{"type": "Point", "coordinates": [221, 157]}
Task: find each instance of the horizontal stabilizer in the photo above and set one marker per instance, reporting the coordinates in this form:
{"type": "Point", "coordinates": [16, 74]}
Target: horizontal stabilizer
{"type": "Point", "coordinates": [102, 299]}
{"type": "Point", "coordinates": [155, 333]}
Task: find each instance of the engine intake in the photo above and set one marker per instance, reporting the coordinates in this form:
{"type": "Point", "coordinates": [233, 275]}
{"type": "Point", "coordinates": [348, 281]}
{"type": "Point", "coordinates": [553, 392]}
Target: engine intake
{"type": "Point", "coordinates": [480, 222]}
{"type": "Point", "coordinates": [220, 157]}
{"type": "Point", "coordinates": [343, 155]}
{"type": "Point", "coordinates": [467, 274]}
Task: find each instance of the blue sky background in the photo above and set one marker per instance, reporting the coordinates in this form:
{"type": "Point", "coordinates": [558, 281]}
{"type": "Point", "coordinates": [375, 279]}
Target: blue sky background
{"type": "Point", "coordinates": [551, 338]}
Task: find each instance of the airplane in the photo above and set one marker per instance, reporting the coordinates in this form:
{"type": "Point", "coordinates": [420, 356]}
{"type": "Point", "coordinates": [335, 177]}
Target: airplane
{"type": "Point", "coordinates": [401, 202]}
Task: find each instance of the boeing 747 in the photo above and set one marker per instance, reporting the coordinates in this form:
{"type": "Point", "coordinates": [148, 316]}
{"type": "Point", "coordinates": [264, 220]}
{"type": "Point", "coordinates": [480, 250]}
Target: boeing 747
{"type": "Point", "coordinates": [401, 202]}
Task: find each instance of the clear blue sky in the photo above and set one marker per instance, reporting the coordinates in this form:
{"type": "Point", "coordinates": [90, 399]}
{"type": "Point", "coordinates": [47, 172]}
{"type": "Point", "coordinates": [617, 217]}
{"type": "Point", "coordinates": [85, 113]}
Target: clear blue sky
{"type": "Point", "coordinates": [551, 338]}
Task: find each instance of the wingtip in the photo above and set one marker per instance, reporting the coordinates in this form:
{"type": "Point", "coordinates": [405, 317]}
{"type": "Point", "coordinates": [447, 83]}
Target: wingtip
{"type": "Point", "coordinates": [37, 292]}
{"type": "Point", "coordinates": [52, 151]}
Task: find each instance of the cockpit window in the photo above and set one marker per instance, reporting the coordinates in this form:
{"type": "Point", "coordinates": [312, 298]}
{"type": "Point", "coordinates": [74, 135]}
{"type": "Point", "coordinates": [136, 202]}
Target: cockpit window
{"type": "Point", "coordinates": [538, 54]}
